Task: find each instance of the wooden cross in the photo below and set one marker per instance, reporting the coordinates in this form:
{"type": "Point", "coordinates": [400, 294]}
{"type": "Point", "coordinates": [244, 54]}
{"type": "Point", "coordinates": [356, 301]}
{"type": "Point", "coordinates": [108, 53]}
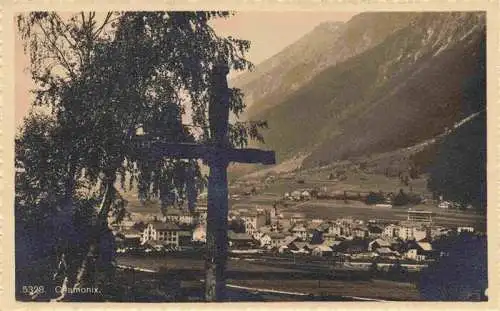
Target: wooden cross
{"type": "Point", "coordinates": [218, 154]}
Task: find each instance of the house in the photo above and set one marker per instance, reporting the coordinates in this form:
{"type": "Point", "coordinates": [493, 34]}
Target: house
{"type": "Point", "coordinates": [284, 224]}
{"type": "Point", "coordinates": [374, 231]}
{"type": "Point", "coordinates": [345, 221]}
{"type": "Point", "coordinates": [335, 229]}
{"type": "Point", "coordinates": [129, 237]}
{"type": "Point", "coordinates": [386, 252]}
{"type": "Point", "coordinates": [305, 195]}
{"type": "Point", "coordinates": [125, 224]}
{"type": "Point", "coordinates": [436, 232]}
{"type": "Point", "coordinates": [276, 238]}
{"type": "Point", "coordinates": [154, 245]}
{"type": "Point", "coordinates": [240, 240]}
{"type": "Point", "coordinates": [300, 247]}
{"type": "Point", "coordinates": [314, 225]}
{"type": "Point", "coordinates": [408, 231]}
{"type": "Point", "coordinates": [296, 195]}
{"type": "Point", "coordinates": [299, 230]}
{"type": "Point", "coordinates": [289, 240]}
{"type": "Point", "coordinates": [329, 238]}
{"type": "Point", "coordinates": [359, 232]}
{"type": "Point", "coordinates": [185, 237]}
{"type": "Point", "coordinates": [340, 229]}
{"type": "Point", "coordinates": [420, 251]}
{"type": "Point", "coordinates": [253, 221]}
{"type": "Point", "coordinates": [353, 246]}
{"type": "Point", "coordinates": [378, 243]}
{"type": "Point", "coordinates": [272, 214]}
{"type": "Point", "coordinates": [324, 227]}
{"type": "Point", "coordinates": [179, 216]}
{"type": "Point", "coordinates": [465, 229]}
{"type": "Point", "coordinates": [391, 231]}
{"type": "Point", "coordinates": [170, 234]}
{"type": "Point", "coordinates": [445, 205]}
{"type": "Point", "coordinates": [365, 255]}
{"type": "Point", "coordinates": [297, 218]}
{"type": "Point", "coordinates": [264, 239]}
{"type": "Point", "coordinates": [322, 250]}
{"type": "Point", "coordinates": [266, 229]}
{"type": "Point", "coordinates": [201, 212]}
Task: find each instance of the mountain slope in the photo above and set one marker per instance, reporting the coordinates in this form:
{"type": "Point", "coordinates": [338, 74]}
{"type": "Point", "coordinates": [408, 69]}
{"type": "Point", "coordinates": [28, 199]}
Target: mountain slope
{"type": "Point", "coordinates": [326, 45]}
{"type": "Point", "coordinates": [406, 89]}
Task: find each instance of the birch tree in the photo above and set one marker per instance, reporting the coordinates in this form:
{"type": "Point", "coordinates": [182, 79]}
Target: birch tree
{"type": "Point", "coordinates": [104, 78]}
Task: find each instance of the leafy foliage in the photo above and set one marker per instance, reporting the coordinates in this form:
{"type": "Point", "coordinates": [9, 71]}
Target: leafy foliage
{"type": "Point", "coordinates": [459, 172]}
{"type": "Point", "coordinates": [136, 70]}
{"type": "Point", "coordinates": [105, 79]}
{"type": "Point", "coordinates": [462, 271]}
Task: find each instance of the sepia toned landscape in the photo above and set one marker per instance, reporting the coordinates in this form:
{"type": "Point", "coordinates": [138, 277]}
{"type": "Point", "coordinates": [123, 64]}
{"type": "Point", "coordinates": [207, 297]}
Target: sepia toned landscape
{"type": "Point", "coordinates": [164, 157]}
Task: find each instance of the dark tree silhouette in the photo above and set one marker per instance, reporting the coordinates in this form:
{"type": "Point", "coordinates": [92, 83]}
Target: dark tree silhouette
{"type": "Point", "coordinates": [104, 80]}
{"type": "Point", "coordinates": [459, 172]}
{"type": "Point", "coordinates": [461, 273]}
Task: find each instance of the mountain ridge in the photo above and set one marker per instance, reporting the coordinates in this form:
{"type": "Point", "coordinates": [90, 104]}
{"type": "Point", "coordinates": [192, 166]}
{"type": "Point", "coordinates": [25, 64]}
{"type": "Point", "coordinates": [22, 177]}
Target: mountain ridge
{"type": "Point", "coordinates": [415, 73]}
{"type": "Point", "coordinates": [327, 44]}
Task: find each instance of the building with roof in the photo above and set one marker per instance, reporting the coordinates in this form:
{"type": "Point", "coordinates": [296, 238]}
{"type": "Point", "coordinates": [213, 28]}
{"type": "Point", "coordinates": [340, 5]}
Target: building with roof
{"type": "Point", "coordinates": [340, 229]}
{"type": "Point", "coordinates": [253, 221]}
{"type": "Point", "coordinates": [170, 234]}
{"type": "Point", "coordinates": [410, 231]}
{"type": "Point", "coordinates": [297, 218]}
{"type": "Point", "coordinates": [465, 229]}
{"type": "Point", "coordinates": [276, 239]}
{"type": "Point", "coordinates": [322, 250]}
{"type": "Point", "coordinates": [386, 252]}
{"type": "Point", "coordinates": [201, 212]}
{"type": "Point", "coordinates": [378, 243]}
{"type": "Point", "coordinates": [129, 237]}
{"type": "Point", "coordinates": [299, 230]}
{"type": "Point", "coordinates": [359, 232]}
{"type": "Point", "coordinates": [418, 216]}
{"type": "Point", "coordinates": [439, 231]}
{"type": "Point", "coordinates": [374, 231]}
{"type": "Point", "coordinates": [324, 227]}
{"type": "Point", "coordinates": [240, 240]}
{"type": "Point", "coordinates": [179, 216]}
{"type": "Point", "coordinates": [300, 247]}
{"type": "Point", "coordinates": [391, 231]}
{"type": "Point", "coordinates": [420, 251]}
{"type": "Point", "coordinates": [264, 239]}
{"type": "Point", "coordinates": [329, 238]}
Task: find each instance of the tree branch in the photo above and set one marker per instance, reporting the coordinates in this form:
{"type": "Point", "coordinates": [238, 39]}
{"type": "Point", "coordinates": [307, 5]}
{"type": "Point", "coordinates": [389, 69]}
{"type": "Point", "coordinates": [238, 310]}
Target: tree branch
{"type": "Point", "coordinates": [60, 54]}
{"type": "Point", "coordinates": [106, 21]}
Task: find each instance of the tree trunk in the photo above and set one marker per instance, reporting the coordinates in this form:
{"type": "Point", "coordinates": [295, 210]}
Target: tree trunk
{"type": "Point", "coordinates": [87, 262]}
{"type": "Point", "coordinates": [65, 231]}
{"type": "Point", "coordinates": [102, 223]}
{"type": "Point", "coordinates": [217, 242]}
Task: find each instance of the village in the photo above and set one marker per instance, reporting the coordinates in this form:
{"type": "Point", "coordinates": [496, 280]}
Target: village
{"type": "Point", "coordinates": [277, 230]}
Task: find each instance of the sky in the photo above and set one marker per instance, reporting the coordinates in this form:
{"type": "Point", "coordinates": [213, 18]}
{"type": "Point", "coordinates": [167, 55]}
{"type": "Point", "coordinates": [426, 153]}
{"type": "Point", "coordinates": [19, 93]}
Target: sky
{"type": "Point", "coordinates": [268, 31]}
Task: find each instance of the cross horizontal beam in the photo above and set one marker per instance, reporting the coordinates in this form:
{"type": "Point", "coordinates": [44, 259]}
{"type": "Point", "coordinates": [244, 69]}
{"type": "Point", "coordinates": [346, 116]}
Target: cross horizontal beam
{"type": "Point", "coordinates": [197, 151]}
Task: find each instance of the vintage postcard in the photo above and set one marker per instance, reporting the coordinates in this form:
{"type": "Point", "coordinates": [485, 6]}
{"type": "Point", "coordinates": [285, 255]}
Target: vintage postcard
{"type": "Point", "coordinates": [304, 154]}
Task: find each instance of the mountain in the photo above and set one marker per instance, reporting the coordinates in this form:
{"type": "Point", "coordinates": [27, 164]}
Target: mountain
{"type": "Point", "coordinates": [400, 84]}
{"type": "Point", "coordinates": [326, 45]}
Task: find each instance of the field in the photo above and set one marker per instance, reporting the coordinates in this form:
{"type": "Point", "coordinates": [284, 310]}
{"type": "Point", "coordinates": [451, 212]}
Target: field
{"type": "Point", "coordinates": [264, 276]}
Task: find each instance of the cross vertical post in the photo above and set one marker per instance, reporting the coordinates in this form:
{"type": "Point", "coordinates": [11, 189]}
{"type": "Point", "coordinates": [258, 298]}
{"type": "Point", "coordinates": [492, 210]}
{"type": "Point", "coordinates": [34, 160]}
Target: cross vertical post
{"type": "Point", "coordinates": [217, 213]}
{"type": "Point", "coordinates": [218, 153]}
